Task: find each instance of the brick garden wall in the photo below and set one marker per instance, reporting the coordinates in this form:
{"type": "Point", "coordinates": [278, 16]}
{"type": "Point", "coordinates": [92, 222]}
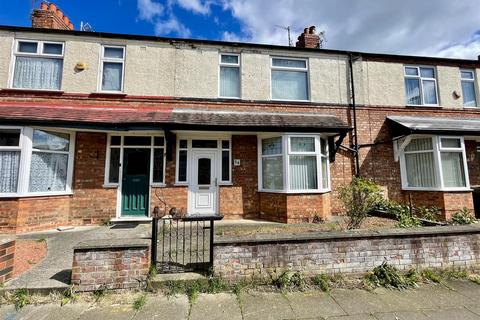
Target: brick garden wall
{"type": "Point", "coordinates": [347, 253]}
{"type": "Point", "coordinates": [7, 253]}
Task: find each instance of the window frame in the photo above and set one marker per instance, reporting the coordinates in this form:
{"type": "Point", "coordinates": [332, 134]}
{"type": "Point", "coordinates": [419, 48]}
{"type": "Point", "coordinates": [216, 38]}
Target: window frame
{"type": "Point", "coordinates": [104, 59]}
{"type": "Point", "coordinates": [472, 80]}
{"type": "Point", "coordinates": [230, 65]}
{"type": "Point", "coordinates": [26, 149]}
{"type": "Point", "coordinates": [306, 70]}
{"type": "Point", "coordinates": [38, 54]}
{"type": "Point", "coordinates": [286, 153]}
{"type": "Point", "coordinates": [437, 150]}
{"type": "Point", "coordinates": [420, 78]}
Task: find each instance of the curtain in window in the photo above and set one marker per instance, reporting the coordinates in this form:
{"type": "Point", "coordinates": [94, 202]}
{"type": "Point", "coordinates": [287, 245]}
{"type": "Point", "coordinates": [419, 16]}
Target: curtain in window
{"type": "Point", "coordinates": [9, 165]}
{"type": "Point", "coordinates": [272, 173]}
{"type": "Point", "coordinates": [112, 76]}
{"type": "Point", "coordinates": [303, 172]}
{"type": "Point", "coordinates": [420, 170]}
{"type": "Point", "coordinates": [48, 172]}
{"type": "Point", "coordinates": [412, 87]}
{"type": "Point", "coordinates": [289, 85]}
{"type": "Point", "coordinates": [302, 144]}
{"type": "Point", "coordinates": [37, 73]}
{"type": "Point", "coordinates": [324, 173]}
{"type": "Point", "coordinates": [468, 89]}
{"type": "Point", "coordinates": [453, 170]}
{"type": "Point", "coordinates": [229, 82]}
{"type": "Point", "coordinates": [429, 92]}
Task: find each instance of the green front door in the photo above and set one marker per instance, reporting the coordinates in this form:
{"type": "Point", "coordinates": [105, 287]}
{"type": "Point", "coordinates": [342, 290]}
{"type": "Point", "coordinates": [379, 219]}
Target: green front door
{"type": "Point", "coordinates": [135, 182]}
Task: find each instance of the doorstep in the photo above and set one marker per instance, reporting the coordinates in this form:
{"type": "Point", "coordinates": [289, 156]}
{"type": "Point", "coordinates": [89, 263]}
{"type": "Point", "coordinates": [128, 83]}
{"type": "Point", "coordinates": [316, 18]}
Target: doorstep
{"type": "Point", "coordinates": [131, 219]}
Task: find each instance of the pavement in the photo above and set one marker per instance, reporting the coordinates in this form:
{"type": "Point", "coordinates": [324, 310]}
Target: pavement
{"type": "Point", "coordinates": [459, 300]}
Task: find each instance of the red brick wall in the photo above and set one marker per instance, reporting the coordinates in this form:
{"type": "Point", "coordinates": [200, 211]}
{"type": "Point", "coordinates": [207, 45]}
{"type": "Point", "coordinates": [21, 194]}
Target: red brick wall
{"type": "Point", "coordinates": [306, 207]}
{"type": "Point", "coordinates": [273, 206]}
{"type": "Point", "coordinates": [8, 215]}
{"type": "Point", "coordinates": [7, 254]}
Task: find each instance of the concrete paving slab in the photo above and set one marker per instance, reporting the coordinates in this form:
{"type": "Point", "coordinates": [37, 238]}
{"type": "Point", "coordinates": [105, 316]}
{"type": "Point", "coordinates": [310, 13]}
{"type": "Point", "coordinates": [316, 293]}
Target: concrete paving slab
{"type": "Point", "coordinates": [353, 317]}
{"type": "Point", "coordinates": [117, 312]}
{"type": "Point", "coordinates": [359, 301]}
{"type": "Point", "coordinates": [266, 306]}
{"type": "Point", "coordinates": [216, 307]}
{"type": "Point", "coordinates": [466, 288]}
{"type": "Point", "coordinates": [452, 314]}
{"type": "Point", "coordinates": [313, 305]}
{"type": "Point", "coordinates": [44, 312]}
{"type": "Point", "coordinates": [159, 307]}
{"type": "Point", "coordinates": [402, 315]}
{"type": "Point", "coordinates": [475, 308]}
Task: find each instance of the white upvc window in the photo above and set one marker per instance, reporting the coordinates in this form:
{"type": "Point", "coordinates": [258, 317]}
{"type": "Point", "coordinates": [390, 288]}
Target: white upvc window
{"type": "Point", "coordinates": [229, 85]}
{"type": "Point", "coordinates": [468, 88]}
{"type": "Point", "coordinates": [293, 163]}
{"type": "Point", "coordinates": [37, 65]}
{"type": "Point", "coordinates": [35, 161]}
{"type": "Point", "coordinates": [433, 163]}
{"type": "Point", "coordinates": [116, 145]}
{"type": "Point", "coordinates": [289, 79]}
{"type": "Point", "coordinates": [421, 86]}
{"type": "Point", "coordinates": [112, 69]}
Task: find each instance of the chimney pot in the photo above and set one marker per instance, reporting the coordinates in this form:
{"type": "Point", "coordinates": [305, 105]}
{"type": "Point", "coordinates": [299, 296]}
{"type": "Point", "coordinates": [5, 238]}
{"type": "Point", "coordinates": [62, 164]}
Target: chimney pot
{"type": "Point", "coordinates": [49, 16]}
{"type": "Point", "coordinates": [59, 13]}
{"type": "Point", "coordinates": [43, 6]}
{"type": "Point", "coordinates": [70, 26]}
{"type": "Point", "coordinates": [52, 7]}
{"type": "Point", "coordinates": [308, 39]}
{"type": "Point", "coordinates": [66, 20]}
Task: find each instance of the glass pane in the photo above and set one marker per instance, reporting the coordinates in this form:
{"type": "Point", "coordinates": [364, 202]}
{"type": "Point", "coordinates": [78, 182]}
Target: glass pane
{"type": "Point", "coordinates": [324, 173]}
{"type": "Point", "coordinates": [289, 63]}
{"type": "Point", "coordinates": [116, 53]}
{"type": "Point", "coordinates": [272, 173]}
{"type": "Point", "coordinates": [9, 137]}
{"type": "Point", "coordinates": [137, 141]}
{"type": "Point", "coordinates": [182, 165]}
{"type": "Point", "coordinates": [272, 146]}
{"type": "Point", "coordinates": [47, 140]}
{"type": "Point", "coordinates": [303, 172]}
{"type": "Point", "coordinates": [410, 71]}
{"type": "Point", "coordinates": [302, 144]}
{"type": "Point", "coordinates": [453, 170]}
{"type": "Point", "coordinates": [114, 165]}
{"type": "Point", "coordinates": [204, 144]}
{"type": "Point", "coordinates": [183, 144]}
{"type": "Point", "coordinates": [451, 143]}
{"type": "Point", "coordinates": [412, 88]}
{"type": "Point", "coordinates": [229, 59]}
{"type": "Point", "coordinates": [323, 146]}
{"type": "Point", "coordinates": [289, 85]}
{"type": "Point", "coordinates": [204, 171]}
{"type": "Point", "coordinates": [9, 167]}
{"type": "Point", "coordinates": [27, 47]}
{"type": "Point", "coordinates": [225, 165]}
{"type": "Point", "coordinates": [52, 48]}
{"type": "Point", "coordinates": [115, 140]}
{"type": "Point", "coordinates": [112, 76]}
{"type": "Point", "coordinates": [230, 82]}
{"type": "Point", "coordinates": [158, 165]}
{"type": "Point", "coordinates": [158, 141]}
{"type": "Point", "coordinates": [225, 144]}
{"type": "Point", "coordinates": [420, 170]}
{"type": "Point", "coordinates": [48, 172]}
{"type": "Point", "coordinates": [37, 73]}
{"type": "Point", "coordinates": [469, 96]}
{"type": "Point", "coordinates": [427, 73]}
{"type": "Point", "coordinates": [420, 144]}
{"type": "Point", "coordinates": [429, 92]}
{"type": "Point", "coordinates": [466, 74]}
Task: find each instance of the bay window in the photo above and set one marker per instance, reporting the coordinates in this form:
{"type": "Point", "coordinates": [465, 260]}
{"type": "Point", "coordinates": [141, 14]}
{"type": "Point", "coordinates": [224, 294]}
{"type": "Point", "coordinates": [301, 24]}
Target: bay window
{"type": "Point", "coordinates": [35, 161]}
{"type": "Point", "coordinates": [294, 163]}
{"type": "Point", "coordinates": [433, 163]}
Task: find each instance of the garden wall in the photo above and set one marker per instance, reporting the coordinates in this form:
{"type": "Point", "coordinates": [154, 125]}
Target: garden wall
{"type": "Point", "coordinates": [347, 252]}
{"type": "Point", "coordinates": [7, 253]}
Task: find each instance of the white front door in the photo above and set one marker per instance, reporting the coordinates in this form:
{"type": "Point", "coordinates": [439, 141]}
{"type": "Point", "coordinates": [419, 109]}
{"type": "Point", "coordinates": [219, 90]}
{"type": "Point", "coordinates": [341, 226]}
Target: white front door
{"type": "Point", "coordinates": [202, 193]}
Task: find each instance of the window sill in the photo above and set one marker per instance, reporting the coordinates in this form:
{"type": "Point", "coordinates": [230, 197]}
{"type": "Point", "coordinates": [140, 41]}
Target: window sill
{"type": "Point", "coordinates": [429, 106]}
{"type": "Point", "coordinates": [110, 186]}
{"type": "Point", "coordinates": [106, 94]}
{"type": "Point", "coordinates": [291, 101]}
{"type": "Point", "coordinates": [439, 189]}
{"type": "Point", "coordinates": [33, 91]}
{"type": "Point", "coordinates": [180, 184]}
{"type": "Point", "coordinates": [158, 185]}
{"type": "Point", "coordinates": [295, 191]}
{"type": "Point", "coordinates": [35, 195]}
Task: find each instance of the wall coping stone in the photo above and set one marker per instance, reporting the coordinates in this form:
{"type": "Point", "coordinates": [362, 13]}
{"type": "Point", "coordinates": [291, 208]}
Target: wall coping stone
{"type": "Point", "coordinates": [348, 235]}
{"type": "Point", "coordinates": [4, 240]}
{"type": "Point", "coordinates": [112, 244]}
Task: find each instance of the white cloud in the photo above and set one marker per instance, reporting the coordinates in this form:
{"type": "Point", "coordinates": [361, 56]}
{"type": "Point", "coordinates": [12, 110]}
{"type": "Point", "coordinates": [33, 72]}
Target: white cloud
{"type": "Point", "coordinates": [427, 27]}
{"type": "Point", "coordinates": [196, 6]}
{"type": "Point", "coordinates": [171, 25]}
{"type": "Point", "coordinates": [148, 9]}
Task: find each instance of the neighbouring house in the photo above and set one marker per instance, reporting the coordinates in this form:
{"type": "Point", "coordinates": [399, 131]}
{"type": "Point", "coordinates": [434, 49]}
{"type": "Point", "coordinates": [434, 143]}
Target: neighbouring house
{"type": "Point", "coordinates": [99, 126]}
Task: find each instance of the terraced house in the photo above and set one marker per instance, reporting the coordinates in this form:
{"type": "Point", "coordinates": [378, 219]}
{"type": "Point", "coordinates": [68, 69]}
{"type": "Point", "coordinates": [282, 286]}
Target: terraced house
{"type": "Point", "coordinates": [97, 127]}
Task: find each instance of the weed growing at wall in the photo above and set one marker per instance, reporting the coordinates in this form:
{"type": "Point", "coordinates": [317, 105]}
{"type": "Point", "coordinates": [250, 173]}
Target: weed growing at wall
{"type": "Point", "coordinates": [139, 302]}
{"type": "Point", "coordinates": [386, 275]}
{"type": "Point", "coordinates": [20, 298]}
{"type": "Point", "coordinates": [463, 217]}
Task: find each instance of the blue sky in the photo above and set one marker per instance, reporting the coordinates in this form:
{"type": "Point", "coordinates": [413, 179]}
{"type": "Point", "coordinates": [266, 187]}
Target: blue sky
{"type": "Point", "coordinates": [428, 27]}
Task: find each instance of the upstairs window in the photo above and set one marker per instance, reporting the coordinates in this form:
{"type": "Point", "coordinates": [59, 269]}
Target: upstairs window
{"type": "Point", "coordinates": [112, 68]}
{"type": "Point", "coordinates": [421, 86]}
{"type": "Point", "coordinates": [289, 79]}
{"type": "Point", "coordinates": [468, 88]}
{"type": "Point", "coordinates": [38, 65]}
{"type": "Point", "coordinates": [229, 85]}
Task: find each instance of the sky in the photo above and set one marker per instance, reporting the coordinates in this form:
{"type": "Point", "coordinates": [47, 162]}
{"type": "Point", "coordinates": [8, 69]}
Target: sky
{"type": "Point", "coordinates": [445, 28]}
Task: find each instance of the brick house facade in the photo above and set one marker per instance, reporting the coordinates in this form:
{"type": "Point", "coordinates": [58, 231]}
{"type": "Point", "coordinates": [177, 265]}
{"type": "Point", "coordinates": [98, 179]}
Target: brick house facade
{"type": "Point", "coordinates": [131, 122]}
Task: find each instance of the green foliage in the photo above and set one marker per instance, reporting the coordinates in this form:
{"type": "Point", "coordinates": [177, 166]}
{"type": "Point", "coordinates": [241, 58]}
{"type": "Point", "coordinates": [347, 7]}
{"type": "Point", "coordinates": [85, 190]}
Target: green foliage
{"type": "Point", "coordinates": [387, 276]}
{"type": "Point", "coordinates": [152, 272]}
{"type": "Point", "coordinates": [427, 213]}
{"type": "Point", "coordinates": [290, 280]}
{"type": "Point", "coordinates": [463, 217]}
{"type": "Point", "coordinates": [432, 276]}
{"type": "Point", "coordinates": [475, 279]}
{"type": "Point", "coordinates": [322, 281]}
{"type": "Point", "coordinates": [21, 298]}
{"type": "Point", "coordinates": [216, 285]}
{"type": "Point", "coordinates": [69, 295]}
{"type": "Point", "coordinates": [99, 293]}
{"type": "Point", "coordinates": [193, 290]}
{"type": "Point", "coordinates": [405, 218]}
{"type": "Point", "coordinates": [139, 302]}
{"type": "Point", "coordinates": [174, 288]}
{"type": "Point", "coordinates": [359, 198]}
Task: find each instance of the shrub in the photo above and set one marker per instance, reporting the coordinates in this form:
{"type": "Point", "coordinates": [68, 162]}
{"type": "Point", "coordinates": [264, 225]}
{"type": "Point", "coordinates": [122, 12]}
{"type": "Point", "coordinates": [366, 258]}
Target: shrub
{"type": "Point", "coordinates": [322, 281]}
{"type": "Point", "coordinates": [386, 275]}
{"type": "Point", "coordinates": [290, 280]}
{"type": "Point", "coordinates": [359, 198]}
{"type": "Point", "coordinates": [402, 213]}
{"type": "Point", "coordinates": [463, 217]}
{"type": "Point", "coordinates": [427, 213]}
{"type": "Point", "coordinates": [21, 298]}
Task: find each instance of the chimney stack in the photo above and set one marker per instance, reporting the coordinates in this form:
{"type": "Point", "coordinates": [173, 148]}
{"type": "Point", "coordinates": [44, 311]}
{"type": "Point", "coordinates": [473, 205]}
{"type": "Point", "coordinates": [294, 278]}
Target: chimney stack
{"type": "Point", "coordinates": [308, 39]}
{"type": "Point", "coordinates": [49, 16]}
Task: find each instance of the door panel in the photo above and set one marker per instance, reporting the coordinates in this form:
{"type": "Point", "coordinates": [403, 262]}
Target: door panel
{"type": "Point", "coordinates": [135, 182]}
{"type": "Point", "coordinates": [203, 186]}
